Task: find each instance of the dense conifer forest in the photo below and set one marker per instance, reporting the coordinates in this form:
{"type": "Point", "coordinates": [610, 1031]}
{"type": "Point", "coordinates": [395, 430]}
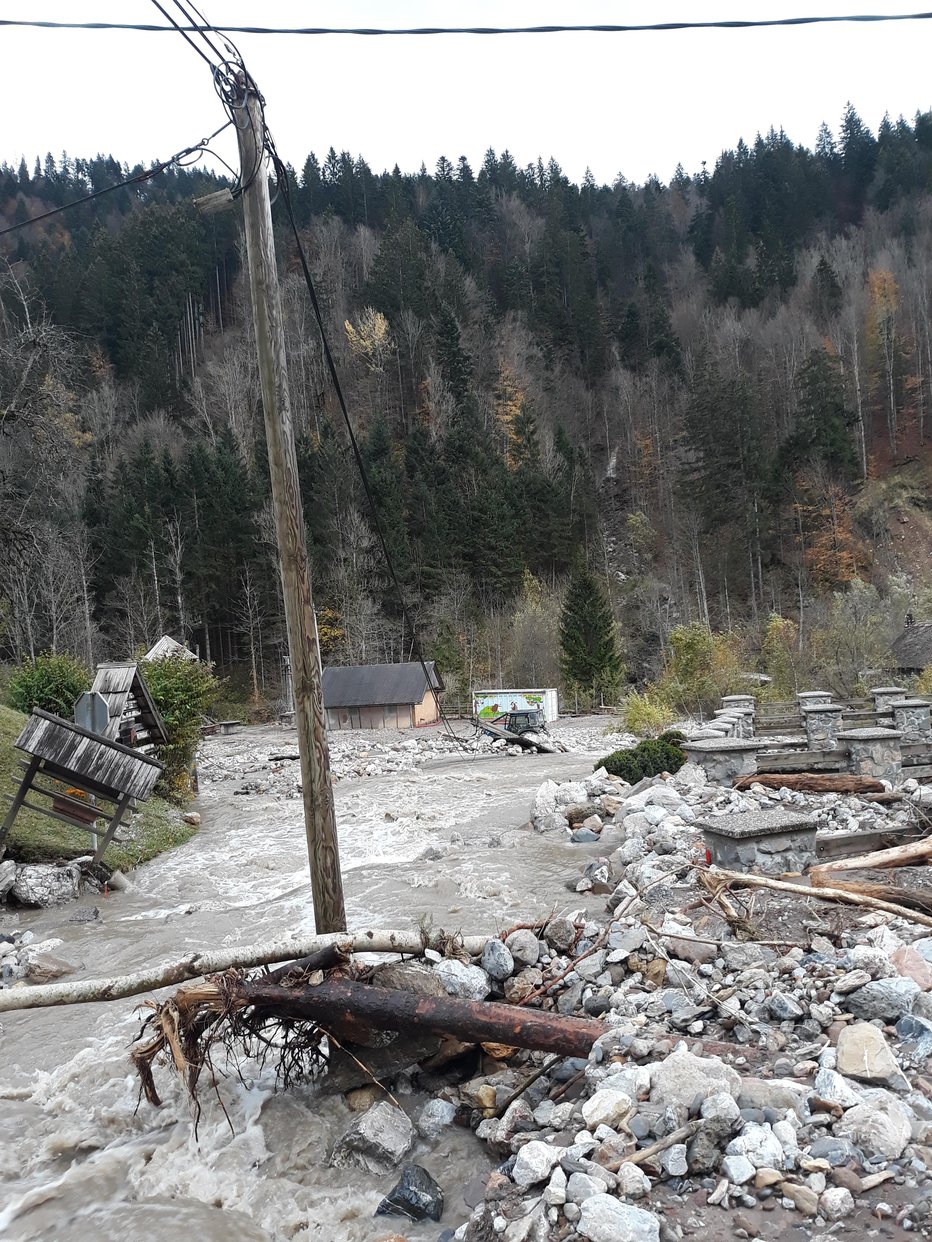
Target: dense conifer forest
{"type": "Point", "coordinates": [716, 393]}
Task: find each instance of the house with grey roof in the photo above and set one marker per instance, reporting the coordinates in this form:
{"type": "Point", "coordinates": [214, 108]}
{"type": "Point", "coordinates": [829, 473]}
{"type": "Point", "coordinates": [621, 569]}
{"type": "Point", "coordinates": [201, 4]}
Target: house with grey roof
{"type": "Point", "coordinates": [382, 696]}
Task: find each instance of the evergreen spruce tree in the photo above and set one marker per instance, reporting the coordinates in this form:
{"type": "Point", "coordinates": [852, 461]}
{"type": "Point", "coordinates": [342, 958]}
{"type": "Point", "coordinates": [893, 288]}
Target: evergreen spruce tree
{"type": "Point", "coordinates": [589, 655]}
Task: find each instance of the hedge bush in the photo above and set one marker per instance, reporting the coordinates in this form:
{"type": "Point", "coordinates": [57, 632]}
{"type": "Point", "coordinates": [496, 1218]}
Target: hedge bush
{"type": "Point", "coordinates": [52, 682]}
{"type": "Point", "coordinates": [649, 758]}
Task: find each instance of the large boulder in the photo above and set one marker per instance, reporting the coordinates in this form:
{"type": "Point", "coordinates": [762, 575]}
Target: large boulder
{"type": "Point", "coordinates": [603, 1218]}
{"type": "Point", "coordinates": [467, 982]}
{"type": "Point", "coordinates": [496, 959]}
{"type": "Point", "coordinates": [524, 947]}
{"type": "Point", "coordinates": [682, 1078]}
{"type": "Point", "coordinates": [605, 1107]}
{"type": "Point", "coordinates": [535, 1162]}
{"type": "Point", "coordinates": [570, 793]}
{"type": "Point", "coordinates": [377, 1142]}
{"type": "Point", "coordinates": [46, 884]}
{"type": "Point", "coordinates": [758, 1144]}
{"type": "Point", "coordinates": [887, 999]}
{"type": "Point", "coordinates": [882, 1126]}
{"type": "Point", "coordinates": [545, 801]}
{"type": "Point", "coordinates": [864, 1054]}
{"type": "Point", "coordinates": [415, 1195]}
{"type": "Point", "coordinates": [7, 876]}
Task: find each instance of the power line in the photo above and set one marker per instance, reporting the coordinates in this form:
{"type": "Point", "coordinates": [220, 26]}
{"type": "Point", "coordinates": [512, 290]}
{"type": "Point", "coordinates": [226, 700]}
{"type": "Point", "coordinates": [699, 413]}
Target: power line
{"type": "Point", "coordinates": [184, 34]}
{"type": "Point", "coordinates": [370, 31]}
{"type": "Point", "coordinates": [234, 84]}
{"type": "Point", "coordinates": [146, 175]}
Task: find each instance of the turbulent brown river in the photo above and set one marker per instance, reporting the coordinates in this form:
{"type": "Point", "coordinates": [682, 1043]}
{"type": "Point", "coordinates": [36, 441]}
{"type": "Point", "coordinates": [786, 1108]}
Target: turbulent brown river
{"type": "Point", "coordinates": [80, 1152]}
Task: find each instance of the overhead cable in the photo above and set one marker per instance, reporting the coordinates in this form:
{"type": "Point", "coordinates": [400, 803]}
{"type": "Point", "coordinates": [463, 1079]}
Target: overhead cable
{"type": "Point", "coordinates": [281, 175]}
{"type": "Point", "coordinates": [372, 31]}
{"type": "Point", "coordinates": [147, 174]}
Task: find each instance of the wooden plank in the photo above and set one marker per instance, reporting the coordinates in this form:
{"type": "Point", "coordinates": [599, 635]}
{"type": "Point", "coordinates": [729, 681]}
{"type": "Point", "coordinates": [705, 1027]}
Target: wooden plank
{"type": "Point", "coordinates": [53, 814]}
{"type": "Point", "coordinates": [78, 803]}
{"type": "Point", "coordinates": [17, 801]}
{"type": "Point", "coordinates": [114, 824]}
{"type": "Point", "coordinates": [47, 811]}
{"type": "Point", "coordinates": [851, 844]}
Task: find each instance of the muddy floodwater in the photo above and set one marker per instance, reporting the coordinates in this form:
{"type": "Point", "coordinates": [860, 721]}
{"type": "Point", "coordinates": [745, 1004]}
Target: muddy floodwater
{"type": "Point", "coordinates": [80, 1152]}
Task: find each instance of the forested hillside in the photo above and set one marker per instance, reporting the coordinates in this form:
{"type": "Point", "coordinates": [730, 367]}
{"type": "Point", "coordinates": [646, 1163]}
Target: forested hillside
{"type": "Point", "coordinates": [715, 391]}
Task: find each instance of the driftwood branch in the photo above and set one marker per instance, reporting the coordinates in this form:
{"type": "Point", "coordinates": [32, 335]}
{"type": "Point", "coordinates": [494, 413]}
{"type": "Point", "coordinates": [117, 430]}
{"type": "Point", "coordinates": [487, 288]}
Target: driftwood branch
{"type": "Point", "coordinates": [739, 880]}
{"type": "Point", "coordinates": [911, 898]}
{"type": "Point", "coordinates": [898, 856]}
{"type": "Point", "coordinates": [813, 782]}
{"type": "Point", "coordinates": [646, 1154]}
{"type": "Point", "coordinates": [86, 991]}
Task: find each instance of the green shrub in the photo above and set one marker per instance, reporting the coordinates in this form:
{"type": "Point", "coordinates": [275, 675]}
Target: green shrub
{"type": "Point", "coordinates": [648, 758]}
{"type": "Point", "coordinates": [646, 714]}
{"type": "Point", "coordinates": [183, 691]}
{"type": "Point", "coordinates": [623, 763]}
{"type": "Point", "coordinates": [52, 682]}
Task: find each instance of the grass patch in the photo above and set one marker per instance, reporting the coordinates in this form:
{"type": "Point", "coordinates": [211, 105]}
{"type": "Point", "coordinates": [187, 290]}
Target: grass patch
{"type": "Point", "coordinates": [36, 838]}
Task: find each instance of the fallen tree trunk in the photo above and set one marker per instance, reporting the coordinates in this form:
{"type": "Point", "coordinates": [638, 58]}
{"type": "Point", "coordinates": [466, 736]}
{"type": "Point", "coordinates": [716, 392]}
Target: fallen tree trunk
{"type": "Point", "coordinates": [739, 880]}
{"type": "Point", "coordinates": [812, 782]}
{"type": "Point", "coordinates": [86, 991]}
{"type": "Point", "coordinates": [897, 856]}
{"type": "Point", "coordinates": [231, 1011]}
{"type": "Point", "coordinates": [353, 1010]}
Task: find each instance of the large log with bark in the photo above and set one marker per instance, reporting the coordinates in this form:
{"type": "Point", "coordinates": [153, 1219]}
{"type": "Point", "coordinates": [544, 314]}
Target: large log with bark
{"type": "Point", "coordinates": [233, 1011]}
{"type": "Point", "coordinates": [813, 782]}
{"type": "Point", "coordinates": [353, 1010]}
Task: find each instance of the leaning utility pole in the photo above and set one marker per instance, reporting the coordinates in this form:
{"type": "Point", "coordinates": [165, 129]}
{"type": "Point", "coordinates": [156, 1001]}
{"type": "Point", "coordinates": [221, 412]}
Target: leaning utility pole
{"type": "Point", "coordinates": [317, 792]}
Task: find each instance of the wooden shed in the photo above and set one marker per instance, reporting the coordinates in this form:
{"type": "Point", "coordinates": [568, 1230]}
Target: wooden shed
{"type": "Point", "coordinates": [134, 718]}
{"type": "Point", "coordinates": [382, 696]}
{"type": "Point", "coordinates": [912, 651]}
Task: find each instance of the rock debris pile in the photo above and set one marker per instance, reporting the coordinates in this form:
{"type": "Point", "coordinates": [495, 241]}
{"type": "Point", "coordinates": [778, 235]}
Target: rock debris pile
{"type": "Point", "coordinates": [260, 769]}
{"type": "Point", "coordinates": [783, 1080]}
{"type": "Point", "coordinates": [675, 803]}
{"type": "Point", "coordinates": [731, 1076]}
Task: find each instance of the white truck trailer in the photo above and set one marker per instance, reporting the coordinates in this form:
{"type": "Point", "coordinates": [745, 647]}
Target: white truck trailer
{"type": "Point", "coordinates": [488, 704]}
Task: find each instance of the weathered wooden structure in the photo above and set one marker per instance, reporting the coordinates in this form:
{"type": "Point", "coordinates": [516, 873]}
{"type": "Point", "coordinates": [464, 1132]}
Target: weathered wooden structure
{"type": "Point", "coordinates": [134, 718]}
{"type": "Point", "coordinates": [81, 777]}
{"type": "Point", "coordinates": [912, 650]}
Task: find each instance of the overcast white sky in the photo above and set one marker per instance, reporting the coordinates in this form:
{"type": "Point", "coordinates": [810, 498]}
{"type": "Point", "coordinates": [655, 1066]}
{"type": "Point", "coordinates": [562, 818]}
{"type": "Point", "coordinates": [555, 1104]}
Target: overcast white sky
{"type": "Point", "coordinates": [634, 103]}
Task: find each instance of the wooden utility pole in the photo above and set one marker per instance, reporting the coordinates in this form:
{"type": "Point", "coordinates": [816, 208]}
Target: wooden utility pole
{"type": "Point", "coordinates": [317, 792]}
